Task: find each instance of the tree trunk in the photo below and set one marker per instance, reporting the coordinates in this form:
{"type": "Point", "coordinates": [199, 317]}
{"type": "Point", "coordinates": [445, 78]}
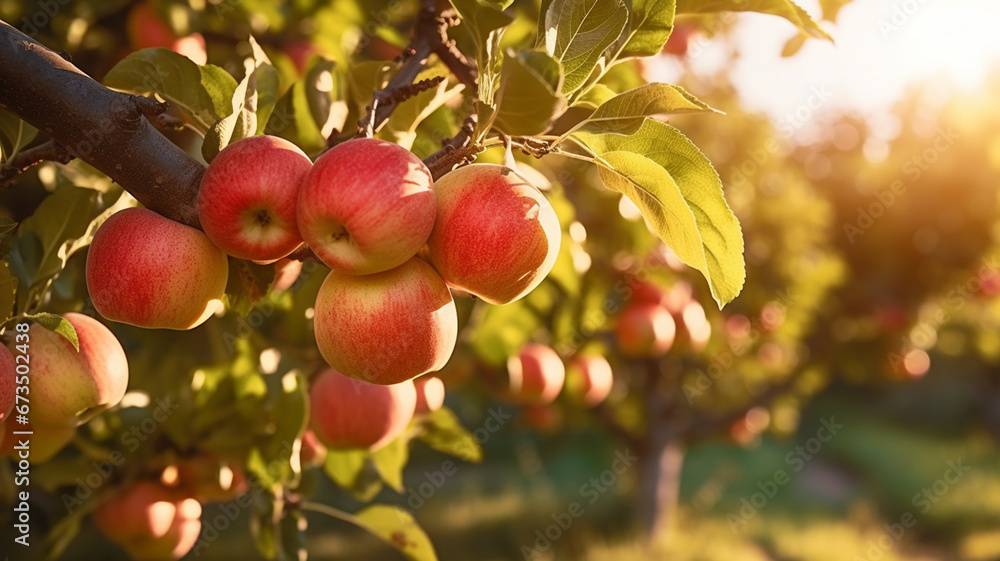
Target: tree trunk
{"type": "Point", "coordinates": [659, 484]}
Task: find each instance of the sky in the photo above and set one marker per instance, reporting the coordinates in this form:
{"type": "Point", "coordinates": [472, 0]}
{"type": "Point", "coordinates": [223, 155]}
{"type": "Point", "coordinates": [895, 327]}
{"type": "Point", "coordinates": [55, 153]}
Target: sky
{"type": "Point", "coordinates": [881, 48]}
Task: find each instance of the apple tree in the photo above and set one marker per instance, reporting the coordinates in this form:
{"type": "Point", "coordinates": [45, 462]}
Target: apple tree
{"type": "Point", "coordinates": [367, 122]}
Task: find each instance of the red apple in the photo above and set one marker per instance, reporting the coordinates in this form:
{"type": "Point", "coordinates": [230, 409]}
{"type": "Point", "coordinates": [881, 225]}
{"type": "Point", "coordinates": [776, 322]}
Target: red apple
{"type": "Point", "coordinates": [248, 197]}
{"type": "Point", "coordinates": [208, 480]}
{"type": "Point", "coordinates": [300, 52]}
{"type": "Point", "coordinates": [680, 39]}
{"type": "Point", "coordinates": [312, 453]}
{"type": "Point", "coordinates": [645, 292]}
{"type": "Point", "coordinates": [544, 418]}
{"type": "Point", "coordinates": [430, 393]}
{"type": "Point", "coordinates": [589, 379]}
{"type": "Point", "coordinates": [146, 29]}
{"type": "Point", "coordinates": [44, 443]}
{"type": "Point", "coordinates": [645, 330]}
{"type": "Point", "coordinates": [149, 271]}
{"type": "Point", "coordinates": [495, 236]}
{"type": "Point", "coordinates": [696, 330]}
{"type": "Point", "coordinates": [8, 383]}
{"type": "Point", "coordinates": [536, 374]}
{"type": "Point", "coordinates": [388, 327]}
{"type": "Point", "coordinates": [286, 272]}
{"type": "Point", "coordinates": [366, 206]}
{"type": "Point", "coordinates": [69, 387]}
{"type": "Point", "coordinates": [151, 522]}
{"type": "Point", "coordinates": [349, 413]}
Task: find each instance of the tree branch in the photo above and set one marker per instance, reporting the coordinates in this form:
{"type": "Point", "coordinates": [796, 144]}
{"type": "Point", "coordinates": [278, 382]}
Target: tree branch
{"type": "Point", "coordinates": [104, 128]}
{"type": "Point", "coordinates": [446, 50]}
{"type": "Point", "coordinates": [455, 150]}
{"type": "Point", "coordinates": [25, 159]}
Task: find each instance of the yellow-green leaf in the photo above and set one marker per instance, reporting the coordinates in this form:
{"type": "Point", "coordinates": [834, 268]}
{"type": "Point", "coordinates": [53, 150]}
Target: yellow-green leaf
{"type": "Point", "coordinates": [680, 195]}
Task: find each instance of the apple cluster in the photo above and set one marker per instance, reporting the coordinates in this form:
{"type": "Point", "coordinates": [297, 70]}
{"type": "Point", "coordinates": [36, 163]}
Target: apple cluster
{"type": "Point", "coordinates": [396, 241]}
{"type": "Point", "coordinates": [647, 326]}
{"type": "Point", "coordinates": [366, 208]}
{"type": "Point", "coordinates": [66, 386]}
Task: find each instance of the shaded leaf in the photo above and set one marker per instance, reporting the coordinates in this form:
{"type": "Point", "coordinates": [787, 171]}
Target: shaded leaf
{"type": "Point", "coordinates": [57, 324]}
{"type": "Point", "coordinates": [443, 432]}
{"type": "Point", "coordinates": [529, 98]}
{"type": "Point", "coordinates": [312, 109]}
{"type": "Point", "coordinates": [398, 528]}
{"type": "Point", "coordinates": [8, 292]}
{"type": "Point", "coordinates": [204, 93]}
{"type": "Point", "coordinates": [15, 134]}
{"type": "Point", "coordinates": [578, 33]}
{"type": "Point", "coordinates": [248, 283]}
{"type": "Point", "coordinates": [389, 462]}
{"type": "Point", "coordinates": [650, 26]}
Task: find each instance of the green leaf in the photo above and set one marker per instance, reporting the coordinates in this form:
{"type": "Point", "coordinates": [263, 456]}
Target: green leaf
{"type": "Point", "coordinates": [344, 466]}
{"type": "Point", "coordinates": [248, 283]}
{"type": "Point", "coordinates": [15, 134]}
{"type": "Point", "coordinates": [626, 112]}
{"type": "Point", "coordinates": [407, 116]}
{"type": "Point", "coordinates": [62, 224]}
{"type": "Point", "coordinates": [312, 109]}
{"type": "Point", "coordinates": [398, 528]}
{"type": "Point", "coordinates": [8, 292]}
{"type": "Point", "coordinates": [578, 33]}
{"type": "Point", "coordinates": [264, 83]}
{"type": "Point", "coordinates": [389, 462]}
{"type": "Point", "coordinates": [595, 96]}
{"type": "Point", "coordinates": [443, 432]}
{"type": "Point", "coordinates": [252, 104]}
{"type": "Point", "coordinates": [204, 93]}
{"type": "Point", "coordinates": [680, 195]}
{"type": "Point", "coordinates": [8, 228]}
{"type": "Point", "coordinates": [485, 21]}
{"type": "Point", "coordinates": [288, 411]}
{"type": "Point", "coordinates": [529, 98]}
{"type": "Point", "coordinates": [650, 26]}
{"type": "Point", "coordinates": [783, 8]}
{"type": "Point", "coordinates": [57, 324]}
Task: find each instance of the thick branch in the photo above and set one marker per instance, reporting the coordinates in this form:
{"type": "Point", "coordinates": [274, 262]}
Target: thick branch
{"type": "Point", "coordinates": [106, 129]}
{"type": "Point", "coordinates": [25, 159]}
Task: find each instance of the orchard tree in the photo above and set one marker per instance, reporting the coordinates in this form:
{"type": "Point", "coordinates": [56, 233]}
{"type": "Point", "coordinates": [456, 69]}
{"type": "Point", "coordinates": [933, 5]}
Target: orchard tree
{"type": "Point", "coordinates": [275, 308]}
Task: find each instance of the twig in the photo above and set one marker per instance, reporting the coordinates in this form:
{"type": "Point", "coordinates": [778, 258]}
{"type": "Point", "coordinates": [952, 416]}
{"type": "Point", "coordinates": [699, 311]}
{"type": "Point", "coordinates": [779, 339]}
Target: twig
{"type": "Point", "coordinates": [455, 150]}
{"type": "Point", "coordinates": [414, 60]}
{"type": "Point", "coordinates": [25, 159]}
{"type": "Point", "coordinates": [446, 50]}
{"type": "Point", "coordinates": [304, 254]}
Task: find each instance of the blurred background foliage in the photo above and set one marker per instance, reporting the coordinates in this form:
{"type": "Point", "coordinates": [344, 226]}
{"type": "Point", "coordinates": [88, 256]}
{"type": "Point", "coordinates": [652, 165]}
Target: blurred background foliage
{"type": "Point", "coordinates": [873, 299]}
